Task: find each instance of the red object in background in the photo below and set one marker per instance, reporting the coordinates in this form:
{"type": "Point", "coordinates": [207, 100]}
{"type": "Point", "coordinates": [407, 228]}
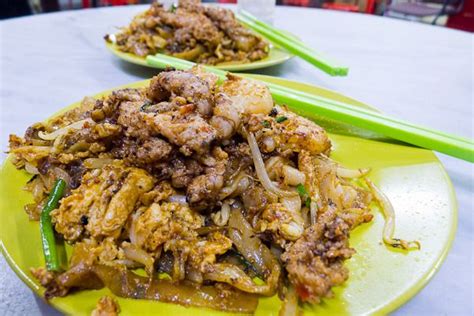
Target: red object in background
{"type": "Point", "coordinates": [118, 2]}
{"type": "Point", "coordinates": [370, 7]}
{"type": "Point", "coordinates": [303, 3]}
{"type": "Point", "coordinates": [341, 6]}
{"type": "Point", "coordinates": [87, 3]}
{"type": "Point", "coordinates": [464, 20]}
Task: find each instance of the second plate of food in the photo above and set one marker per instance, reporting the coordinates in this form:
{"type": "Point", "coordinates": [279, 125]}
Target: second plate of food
{"type": "Point", "coordinates": [208, 35]}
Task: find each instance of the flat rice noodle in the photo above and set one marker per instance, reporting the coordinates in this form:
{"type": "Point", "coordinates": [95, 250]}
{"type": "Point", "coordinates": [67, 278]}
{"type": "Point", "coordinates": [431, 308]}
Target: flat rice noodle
{"type": "Point", "coordinates": [252, 248]}
{"type": "Point", "coordinates": [124, 283]}
{"type": "Point", "coordinates": [236, 187]}
{"type": "Point", "coordinates": [80, 276]}
{"type": "Point", "coordinates": [191, 54]}
{"type": "Point", "coordinates": [139, 255]}
{"type": "Point", "coordinates": [96, 163]}
{"type": "Point", "coordinates": [194, 275]}
{"type": "Point", "coordinates": [64, 130]}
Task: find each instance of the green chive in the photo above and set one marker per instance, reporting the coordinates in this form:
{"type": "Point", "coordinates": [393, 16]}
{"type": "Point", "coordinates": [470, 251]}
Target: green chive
{"type": "Point", "coordinates": [301, 190]}
{"type": "Point", "coordinates": [281, 119]}
{"type": "Point", "coordinates": [307, 202]}
{"type": "Point", "coordinates": [266, 124]}
{"type": "Point", "coordinates": [145, 105]}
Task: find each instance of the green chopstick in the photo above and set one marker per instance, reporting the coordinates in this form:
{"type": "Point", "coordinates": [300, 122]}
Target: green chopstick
{"type": "Point", "coordinates": [397, 129]}
{"type": "Point", "coordinates": [245, 15]}
{"type": "Point", "coordinates": [294, 46]}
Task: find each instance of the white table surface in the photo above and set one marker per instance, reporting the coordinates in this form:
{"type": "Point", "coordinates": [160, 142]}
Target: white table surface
{"type": "Point", "coordinates": [416, 72]}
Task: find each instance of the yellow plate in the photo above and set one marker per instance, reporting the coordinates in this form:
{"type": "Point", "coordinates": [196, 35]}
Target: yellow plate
{"type": "Point", "coordinates": [381, 279]}
{"type": "Point", "coordinates": [275, 57]}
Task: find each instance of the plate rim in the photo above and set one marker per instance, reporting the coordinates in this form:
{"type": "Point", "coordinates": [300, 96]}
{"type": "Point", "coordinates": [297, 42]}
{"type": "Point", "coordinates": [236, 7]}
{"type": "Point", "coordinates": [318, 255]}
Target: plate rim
{"type": "Point", "coordinates": [391, 306]}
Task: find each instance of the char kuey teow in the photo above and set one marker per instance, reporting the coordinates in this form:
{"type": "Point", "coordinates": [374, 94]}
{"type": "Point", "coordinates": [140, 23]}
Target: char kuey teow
{"type": "Point", "coordinates": [196, 192]}
{"type": "Point", "coordinates": [204, 34]}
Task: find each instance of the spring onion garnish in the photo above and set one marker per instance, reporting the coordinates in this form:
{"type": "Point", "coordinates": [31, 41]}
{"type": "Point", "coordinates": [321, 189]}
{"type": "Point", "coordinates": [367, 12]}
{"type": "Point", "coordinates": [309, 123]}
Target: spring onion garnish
{"type": "Point", "coordinates": [173, 8]}
{"type": "Point", "coordinates": [301, 190]}
{"type": "Point", "coordinates": [304, 194]}
{"type": "Point", "coordinates": [46, 227]}
{"type": "Point", "coordinates": [266, 124]}
{"type": "Point", "coordinates": [281, 119]}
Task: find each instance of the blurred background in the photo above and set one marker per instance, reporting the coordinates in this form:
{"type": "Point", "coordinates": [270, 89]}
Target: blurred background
{"type": "Point", "coordinates": [458, 14]}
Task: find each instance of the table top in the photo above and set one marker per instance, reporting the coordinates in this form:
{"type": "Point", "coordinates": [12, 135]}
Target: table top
{"type": "Point", "coordinates": [416, 72]}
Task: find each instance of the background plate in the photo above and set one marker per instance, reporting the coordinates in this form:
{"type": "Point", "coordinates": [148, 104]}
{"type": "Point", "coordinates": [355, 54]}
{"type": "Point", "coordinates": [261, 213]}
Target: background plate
{"type": "Point", "coordinates": [275, 57]}
{"type": "Point", "coordinates": [381, 279]}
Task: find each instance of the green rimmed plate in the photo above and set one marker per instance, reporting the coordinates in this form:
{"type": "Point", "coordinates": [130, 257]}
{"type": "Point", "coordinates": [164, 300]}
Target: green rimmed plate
{"type": "Point", "coordinates": [276, 56]}
{"type": "Point", "coordinates": [381, 278]}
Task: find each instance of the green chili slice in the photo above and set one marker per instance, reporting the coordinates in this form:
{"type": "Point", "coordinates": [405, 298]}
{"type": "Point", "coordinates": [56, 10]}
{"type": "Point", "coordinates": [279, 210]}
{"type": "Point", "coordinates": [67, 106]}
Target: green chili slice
{"type": "Point", "coordinates": [46, 227]}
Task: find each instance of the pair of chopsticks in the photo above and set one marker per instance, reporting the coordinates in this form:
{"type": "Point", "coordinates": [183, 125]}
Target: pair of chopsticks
{"type": "Point", "coordinates": [293, 45]}
{"type": "Point", "coordinates": [306, 103]}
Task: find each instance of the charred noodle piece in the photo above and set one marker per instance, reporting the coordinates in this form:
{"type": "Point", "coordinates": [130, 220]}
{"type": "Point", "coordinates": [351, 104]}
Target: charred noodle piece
{"type": "Point", "coordinates": [47, 232]}
{"type": "Point", "coordinates": [130, 285]}
{"type": "Point", "coordinates": [124, 283]}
